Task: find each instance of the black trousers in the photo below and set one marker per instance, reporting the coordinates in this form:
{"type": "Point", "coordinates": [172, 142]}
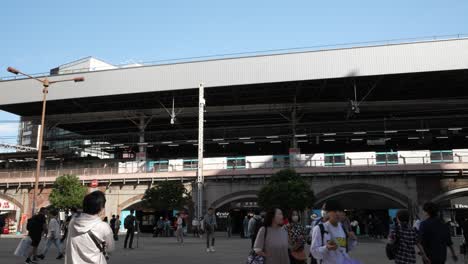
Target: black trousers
{"type": "Point", "coordinates": [131, 234]}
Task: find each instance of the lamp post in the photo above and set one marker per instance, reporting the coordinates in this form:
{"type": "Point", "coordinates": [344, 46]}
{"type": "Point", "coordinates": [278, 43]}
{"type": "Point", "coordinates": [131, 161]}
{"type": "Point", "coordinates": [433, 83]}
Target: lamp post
{"type": "Point", "coordinates": [45, 84]}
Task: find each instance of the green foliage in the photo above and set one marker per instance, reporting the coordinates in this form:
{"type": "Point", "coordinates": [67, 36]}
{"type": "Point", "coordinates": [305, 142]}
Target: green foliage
{"type": "Point", "coordinates": [67, 192]}
{"type": "Point", "coordinates": [286, 190]}
{"type": "Point", "coordinates": [167, 195]}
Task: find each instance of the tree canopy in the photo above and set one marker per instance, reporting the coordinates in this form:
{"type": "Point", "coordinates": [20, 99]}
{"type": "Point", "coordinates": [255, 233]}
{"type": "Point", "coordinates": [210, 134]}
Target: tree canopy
{"type": "Point", "coordinates": [167, 195]}
{"type": "Point", "coordinates": [67, 192]}
{"type": "Point", "coordinates": [286, 190]}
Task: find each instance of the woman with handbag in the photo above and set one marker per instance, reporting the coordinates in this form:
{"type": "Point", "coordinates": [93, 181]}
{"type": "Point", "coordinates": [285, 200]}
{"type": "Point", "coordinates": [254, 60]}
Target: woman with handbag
{"type": "Point", "coordinates": [271, 243]}
{"type": "Point", "coordinates": [402, 239]}
{"type": "Point", "coordinates": [297, 239]}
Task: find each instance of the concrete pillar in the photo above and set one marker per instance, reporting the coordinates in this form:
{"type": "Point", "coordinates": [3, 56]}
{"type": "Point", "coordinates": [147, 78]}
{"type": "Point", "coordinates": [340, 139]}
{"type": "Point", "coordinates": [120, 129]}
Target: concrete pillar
{"type": "Point", "coordinates": [141, 156]}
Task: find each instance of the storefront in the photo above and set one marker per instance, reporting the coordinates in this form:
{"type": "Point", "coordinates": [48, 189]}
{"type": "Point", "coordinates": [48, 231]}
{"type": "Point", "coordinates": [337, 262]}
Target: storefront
{"type": "Point", "coordinates": [11, 213]}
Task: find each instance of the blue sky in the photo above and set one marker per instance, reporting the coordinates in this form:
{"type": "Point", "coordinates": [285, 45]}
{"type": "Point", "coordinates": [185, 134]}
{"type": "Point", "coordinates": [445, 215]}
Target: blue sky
{"type": "Point", "coordinates": [39, 35]}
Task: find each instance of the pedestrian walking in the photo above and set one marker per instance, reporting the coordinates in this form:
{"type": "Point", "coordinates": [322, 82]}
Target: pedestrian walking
{"type": "Point", "coordinates": [73, 213]}
{"type": "Point", "coordinates": [229, 225]}
{"type": "Point", "coordinates": [112, 224]}
{"type": "Point", "coordinates": [404, 237]}
{"type": "Point", "coordinates": [297, 239]}
{"type": "Point", "coordinates": [316, 222]}
{"type": "Point", "coordinates": [330, 241]}
{"type": "Point", "coordinates": [2, 224]}
{"type": "Point", "coordinates": [245, 227]}
{"type": "Point", "coordinates": [36, 226]}
{"type": "Point", "coordinates": [272, 239]}
{"type": "Point", "coordinates": [53, 236]}
{"type": "Point", "coordinates": [117, 228]}
{"type": "Point", "coordinates": [435, 235]}
{"type": "Point", "coordinates": [180, 228]}
{"type": "Point", "coordinates": [355, 226]}
{"type": "Point", "coordinates": [130, 224]}
{"type": "Point", "coordinates": [196, 227]}
{"type": "Point", "coordinates": [210, 227]}
{"type": "Point", "coordinates": [89, 237]}
{"type": "Point", "coordinates": [167, 227]}
{"type": "Point", "coordinates": [255, 223]}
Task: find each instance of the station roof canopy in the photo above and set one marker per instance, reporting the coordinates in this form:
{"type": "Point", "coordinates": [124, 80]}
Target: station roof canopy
{"type": "Point", "coordinates": [426, 56]}
{"type": "Point", "coordinates": [402, 87]}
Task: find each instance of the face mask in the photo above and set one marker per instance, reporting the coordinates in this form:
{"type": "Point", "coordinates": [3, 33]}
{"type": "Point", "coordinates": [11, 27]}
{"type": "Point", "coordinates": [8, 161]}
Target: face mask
{"type": "Point", "coordinates": [323, 213]}
{"type": "Point", "coordinates": [295, 218]}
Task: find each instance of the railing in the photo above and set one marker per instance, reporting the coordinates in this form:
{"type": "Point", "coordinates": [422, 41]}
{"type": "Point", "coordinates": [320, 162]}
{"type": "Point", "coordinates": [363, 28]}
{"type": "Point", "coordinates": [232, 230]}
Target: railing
{"type": "Point", "coordinates": [259, 53]}
{"type": "Point", "coordinates": [366, 163]}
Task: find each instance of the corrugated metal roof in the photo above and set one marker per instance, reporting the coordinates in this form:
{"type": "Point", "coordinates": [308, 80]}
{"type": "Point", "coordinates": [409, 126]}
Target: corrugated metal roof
{"type": "Point", "coordinates": [364, 61]}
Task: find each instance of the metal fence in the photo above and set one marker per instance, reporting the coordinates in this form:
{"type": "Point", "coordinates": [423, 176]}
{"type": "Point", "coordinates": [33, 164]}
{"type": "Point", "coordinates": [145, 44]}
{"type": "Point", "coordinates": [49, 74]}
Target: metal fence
{"type": "Point", "coordinates": [135, 168]}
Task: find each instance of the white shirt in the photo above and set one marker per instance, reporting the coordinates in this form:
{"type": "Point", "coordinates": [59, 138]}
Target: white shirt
{"type": "Point", "coordinates": [53, 229]}
{"type": "Point", "coordinates": [335, 233]}
{"type": "Point", "coordinates": [80, 247]}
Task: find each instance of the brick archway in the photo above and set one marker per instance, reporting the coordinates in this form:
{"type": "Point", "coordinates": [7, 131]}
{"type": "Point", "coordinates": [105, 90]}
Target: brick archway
{"type": "Point", "coordinates": [135, 199]}
{"type": "Point", "coordinates": [234, 196]}
{"type": "Point", "coordinates": [455, 193]}
{"type": "Point", "coordinates": [388, 193]}
{"type": "Point", "coordinates": [12, 200]}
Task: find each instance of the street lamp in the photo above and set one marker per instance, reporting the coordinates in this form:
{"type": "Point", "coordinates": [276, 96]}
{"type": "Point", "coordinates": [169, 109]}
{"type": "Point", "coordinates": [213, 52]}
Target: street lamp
{"type": "Point", "coordinates": [45, 84]}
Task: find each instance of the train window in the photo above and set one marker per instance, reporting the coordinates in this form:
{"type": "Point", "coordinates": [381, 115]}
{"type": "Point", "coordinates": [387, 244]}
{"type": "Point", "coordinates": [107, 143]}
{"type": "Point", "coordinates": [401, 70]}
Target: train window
{"type": "Point", "coordinates": [236, 163]}
{"type": "Point", "coordinates": [386, 157]}
{"type": "Point", "coordinates": [280, 161]}
{"type": "Point", "coordinates": [335, 159]}
{"type": "Point", "coordinates": [161, 165]}
{"type": "Point", "coordinates": [190, 164]}
{"type": "Point", "coordinates": [439, 156]}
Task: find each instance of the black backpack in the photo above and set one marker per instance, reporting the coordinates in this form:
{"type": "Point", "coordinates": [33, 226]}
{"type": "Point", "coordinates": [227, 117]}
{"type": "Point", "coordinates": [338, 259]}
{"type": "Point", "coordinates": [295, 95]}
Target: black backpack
{"type": "Point", "coordinates": [391, 249]}
{"type": "Point", "coordinates": [30, 226]}
{"type": "Point", "coordinates": [129, 222]}
{"type": "Point", "coordinates": [257, 225]}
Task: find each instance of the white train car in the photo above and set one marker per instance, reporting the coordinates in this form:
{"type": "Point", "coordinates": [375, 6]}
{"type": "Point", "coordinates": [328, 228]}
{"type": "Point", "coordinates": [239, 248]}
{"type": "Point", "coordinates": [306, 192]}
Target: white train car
{"type": "Point", "coordinates": [360, 158]}
{"type": "Point", "coordinates": [311, 160]}
{"type": "Point", "coordinates": [414, 157]}
{"type": "Point", "coordinates": [215, 163]}
{"type": "Point", "coordinates": [176, 165]}
{"type": "Point", "coordinates": [460, 155]}
{"type": "Point", "coordinates": [258, 162]}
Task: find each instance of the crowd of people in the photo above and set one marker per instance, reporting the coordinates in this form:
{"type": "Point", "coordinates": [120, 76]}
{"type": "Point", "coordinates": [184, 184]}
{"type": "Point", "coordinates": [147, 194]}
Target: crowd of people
{"type": "Point", "coordinates": [276, 237]}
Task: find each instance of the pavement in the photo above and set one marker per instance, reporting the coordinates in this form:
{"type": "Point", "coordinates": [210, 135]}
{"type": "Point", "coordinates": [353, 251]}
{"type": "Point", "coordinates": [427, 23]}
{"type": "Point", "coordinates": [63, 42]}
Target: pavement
{"type": "Point", "coordinates": [193, 251]}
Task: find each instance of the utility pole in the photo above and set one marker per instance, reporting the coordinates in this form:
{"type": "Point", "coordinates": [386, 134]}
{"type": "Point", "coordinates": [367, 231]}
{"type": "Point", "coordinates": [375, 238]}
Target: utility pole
{"type": "Point", "coordinates": [200, 179]}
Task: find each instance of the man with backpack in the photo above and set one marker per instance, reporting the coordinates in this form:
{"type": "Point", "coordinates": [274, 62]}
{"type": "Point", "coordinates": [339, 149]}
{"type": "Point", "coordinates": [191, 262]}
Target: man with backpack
{"type": "Point", "coordinates": [36, 226]}
{"type": "Point", "coordinates": [2, 224]}
{"type": "Point", "coordinates": [255, 223]}
{"type": "Point", "coordinates": [112, 224]}
{"type": "Point", "coordinates": [130, 224]}
{"type": "Point", "coordinates": [53, 235]}
{"type": "Point", "coordinates": [210, 228]}
{"type": "Point", "coordinates": [330, 241]}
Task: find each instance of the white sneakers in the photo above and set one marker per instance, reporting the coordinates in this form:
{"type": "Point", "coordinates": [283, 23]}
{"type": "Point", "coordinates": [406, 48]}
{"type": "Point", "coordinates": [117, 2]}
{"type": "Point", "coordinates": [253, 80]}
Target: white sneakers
{"type": "Point", "coordinates": [210, 249]}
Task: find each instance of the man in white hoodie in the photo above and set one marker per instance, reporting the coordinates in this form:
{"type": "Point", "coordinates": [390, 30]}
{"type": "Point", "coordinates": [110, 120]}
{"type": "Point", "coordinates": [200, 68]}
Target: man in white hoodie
{"type": "Point", "coordinates": [330, 241]}
{"type": "Point", "coordinates": [89, 238]}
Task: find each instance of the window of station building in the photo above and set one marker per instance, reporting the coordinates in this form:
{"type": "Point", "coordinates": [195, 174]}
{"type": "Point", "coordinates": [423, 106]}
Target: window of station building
{"type": "Point", "coordinates": [439, 156]}
{"type": "Point", "coordinates": [236, 163]}
{"type": "Point", "coordinates": [280, 161]}
{"type": "Point", "coordinates": [335, 159]}
{"type": "Point", "coordinates": [386, 157]}
{"type": "Point", "coordinates": [160, 165]}
{"type": "Point", "coordinates": [191, 164]}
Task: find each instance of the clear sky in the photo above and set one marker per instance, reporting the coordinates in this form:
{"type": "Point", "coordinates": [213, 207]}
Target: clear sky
{"type": "Point", "coordinates": [39, 35]}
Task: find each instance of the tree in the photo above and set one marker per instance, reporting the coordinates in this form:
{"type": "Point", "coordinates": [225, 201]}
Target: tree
{"type": "Point", "coordinates": [167, 195]}
{"type": "Point", "coordinates": [67, 192]}
{"type": "Point", "coordinates": [286, 190]}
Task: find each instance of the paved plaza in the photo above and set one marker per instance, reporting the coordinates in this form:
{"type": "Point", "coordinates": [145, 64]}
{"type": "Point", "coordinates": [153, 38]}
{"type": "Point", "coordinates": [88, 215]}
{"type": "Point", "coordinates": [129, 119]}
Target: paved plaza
{"type": "Point", "coordinates": [166, 250]}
